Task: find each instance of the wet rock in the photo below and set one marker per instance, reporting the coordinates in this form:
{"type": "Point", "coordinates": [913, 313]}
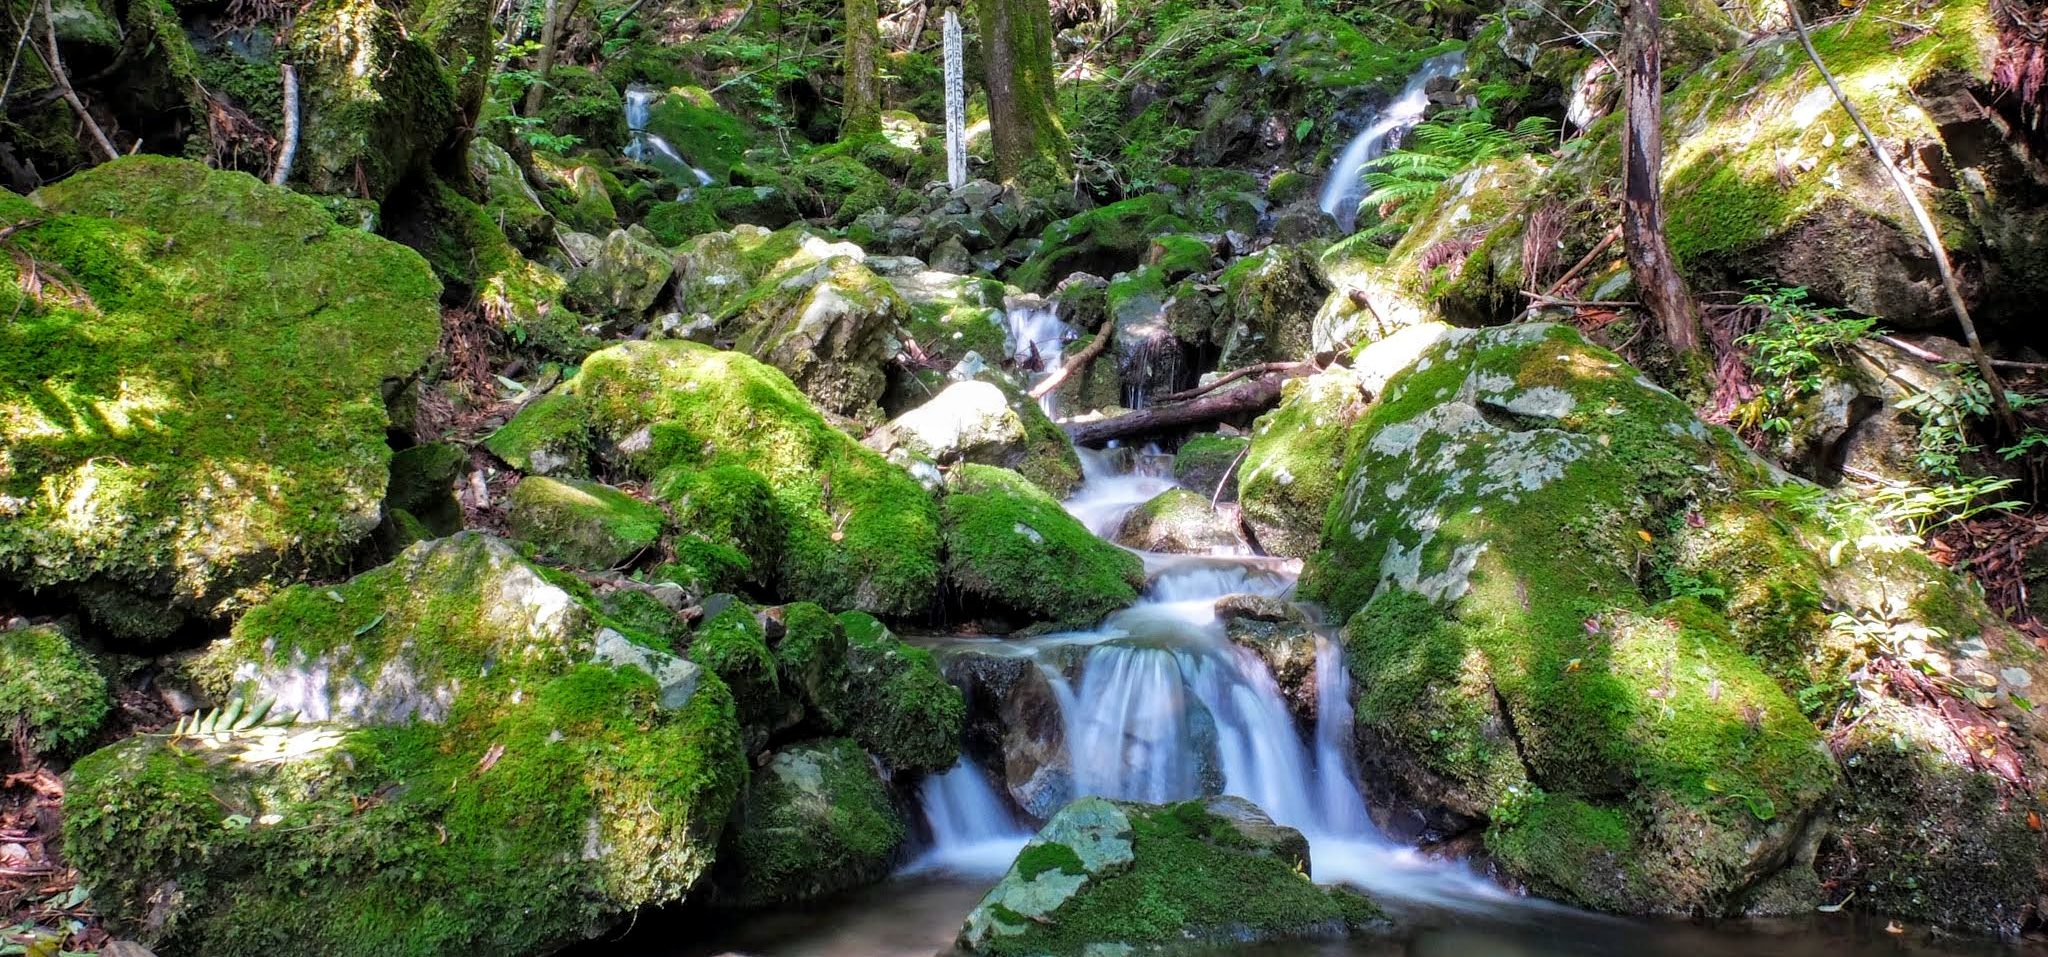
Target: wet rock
{"type": "Point", "coordinates": [1013, 554]}
{"type": "Point", "coordinates": [1178, 522]}
{"type": "Point", "coordinates": [1014, 725]}
{"type": "Point", "coordinates": [1281, 636]}
{"type": "Point", "coordinates": [816, 820]}
{"type": "Point", "coordinates": [1208, 464]}
{"type": "Point", "coordinates": [1068, 892]}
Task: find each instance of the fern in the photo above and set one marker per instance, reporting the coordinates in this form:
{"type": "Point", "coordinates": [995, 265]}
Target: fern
{"type": "Point", "coordinates": [1398, 181]}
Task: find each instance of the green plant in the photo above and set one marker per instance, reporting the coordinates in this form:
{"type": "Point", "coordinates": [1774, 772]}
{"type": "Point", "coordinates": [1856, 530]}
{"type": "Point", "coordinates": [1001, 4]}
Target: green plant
{"type": "Point", "coordinates": [1946, 413]}
{"type": "Point", "coordinates": [1887, 516]}
{"type": "Point", "coordinates": [1790, 351]}
{"type": "Point", "coordinates": [1400, 180]}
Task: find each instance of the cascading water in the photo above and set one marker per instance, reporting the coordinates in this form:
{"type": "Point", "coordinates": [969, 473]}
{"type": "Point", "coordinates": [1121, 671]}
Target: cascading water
{"type": "Point", "coordinates": [1036, 337]}
{"type": "Point", "coordinates": [645, 147]}
{"type": "Point", "coordinates": [973, 831]}
{"type": "Point", "coordinates": [1345, 187]}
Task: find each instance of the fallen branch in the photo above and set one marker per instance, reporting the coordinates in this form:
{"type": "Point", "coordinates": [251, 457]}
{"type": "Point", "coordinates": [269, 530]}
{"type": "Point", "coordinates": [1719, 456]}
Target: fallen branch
{"type": "Point", "coordinates": [1985, 368]}
{"type": "Point", "coordinates": [288, 143]}
{"type": "Point", "coordinates": [1077, 363]}
{"type": "Point", "coordinates": [1257, 395]}
{"type": "Point", "coordinates": [55, 63]}
{"type": "Point", "coordinates": [1936, 357]}
{"type": "Point", "coordinates": [1235, 374]}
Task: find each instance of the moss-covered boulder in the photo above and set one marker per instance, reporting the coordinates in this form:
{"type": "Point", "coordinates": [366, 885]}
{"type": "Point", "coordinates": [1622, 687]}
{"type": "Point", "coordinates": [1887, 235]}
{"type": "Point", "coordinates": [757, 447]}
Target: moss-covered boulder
{"type": "Point", "coordinates": [1270, 300]}
{"type": "Point", "coordinates": [1289, 475]}
{"type": "Point", "coordinates": [52, 698]}
{"type": "Point", "coordinates": [193, 396]}
{"type": "Point", "coordinates": [549, 436]}
{"type": "Point", "coordinates": [577, 195]}
{"type": "Point", "coordinates": [1209, 464]}
{"type": "Point", "coordinates": [897, 702]}
{"type": "Point", "coordinates": [816, 820]}
{"type": "Point", "coordinates": [509, 199]}
{"type": "Point", "coordinates": [1573, 622]}
{"type": "Point", "coordinates": [856, 531]}
{"type": "Point", "coordinates": [1101, 241]}
{"type": "Point", "coordinates": [624, 278]}
{"type": "Point", "coordinates": [470, 253]}
{"type": "Point", "coordinates": [582, 524]}
{"type": "Point", "coordinates": [827, 325]}
{"type": "Point", "coordinates": [706, 135]}
{"type": "Point", "coordinates": [1012, 554]}
{"type": "Point", "coordinates": [733, 645]}
{"type": "Point", "coordinates": [376, 112]}
{"type": "Point", "coordinates": [1178, 522]}
{"type": "Point", "coordinates": [1117, 877]}
{"type": "Point", "coordinates": [486, 764]}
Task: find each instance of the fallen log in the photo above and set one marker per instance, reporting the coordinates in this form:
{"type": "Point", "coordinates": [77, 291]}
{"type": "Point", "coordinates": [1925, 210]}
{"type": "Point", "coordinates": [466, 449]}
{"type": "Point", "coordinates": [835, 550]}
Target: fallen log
{"type": "Point", "coordinates": [1256, 395]}
{"type": "Point", "coordinates": [1233, 375]}
{"type": "Point", "coordinates": [1077, 363]}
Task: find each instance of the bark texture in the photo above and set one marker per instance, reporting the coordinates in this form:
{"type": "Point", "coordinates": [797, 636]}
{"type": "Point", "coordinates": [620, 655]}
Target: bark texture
{"type": "Point", "coordinates": [1016, 50]}
{"type": "Point", "coordinates": [1658, 283]}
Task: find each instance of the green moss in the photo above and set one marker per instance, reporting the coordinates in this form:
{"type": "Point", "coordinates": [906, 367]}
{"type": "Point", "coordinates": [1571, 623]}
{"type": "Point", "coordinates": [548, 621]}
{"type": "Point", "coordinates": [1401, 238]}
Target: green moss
{"type": "Point", "coordinates": [582, 524]}
{"type": "Point", "coordinates": [816, 820]}
{"type": "Point", "coordinates": [860, 533]}
{"type": "Point", "coordinates": [1208, 463]}
{"type": "Point", "coordinates": [898, 704]}
{"type": "Point", "coordinates": [580, 102]}
{"type": "Point", "coordinates": [375, 106]}
{"type": "Point", "coordinates": [52, 699]}
{"type": "Point", "coordinates": [1102, 241]}
{"type": "Point", "coordinates": [810, 660]}
{"type": "Point", "coordinates": [193, 401]}
{"type": "Point", "coordinates": [462, 833]}
{"type": "Point", "coordinates": [733, 505]}
{"type": "Point", "coordinates": [1288, 186]}
{"type": "Point", "coordinates": [732, 646]}
{"type": "Point", "coordinates": [1285, 484]}
{"type": "Point", "coordinates": [576, 194]}
{"type": "Point", "coordinates": [255, 86]}
{"type": "Point", "coordinates": [1178, 255]}
{"type": "Point", "coordinates": [710, 138]}
{"type": "Point", "coordinates": [1011, 547]}
{"type": "Point", "coordinates": [549, 435]}
{"type": "Point", "coordinates": [471, 255]}
{"type": "Point", "coordinates": [671, 223]}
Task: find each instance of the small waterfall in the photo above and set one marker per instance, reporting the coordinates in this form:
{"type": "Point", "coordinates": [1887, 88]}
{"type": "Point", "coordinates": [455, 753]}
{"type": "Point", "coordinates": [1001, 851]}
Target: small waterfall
{"type": "Point", "coordinates": [1345, 187]}
{"type": "Point", "coordinates": [1037, 338]}
{"type": "Point", "coordinates": [645, 147]}
{"type": "Point", "coordinates": [973, 831]}
{"type": "Point", "coordinates": [1107, 494]}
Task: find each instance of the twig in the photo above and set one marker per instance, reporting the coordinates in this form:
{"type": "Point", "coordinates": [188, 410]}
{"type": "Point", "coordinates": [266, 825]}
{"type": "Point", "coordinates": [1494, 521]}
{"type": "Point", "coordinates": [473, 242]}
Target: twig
{"type": "Point", "coordinates": [14, 62]}
{"type": "Point", "coordinates": [1234, 463]}
{"type": "Point", "coordinates": [1985, 368]}
{"type": "Point", "coordinates": [1075, 364]}
{"type": "Point", "coordinates": [1927, 356]}
{"type": "Point", "coordinates": [288, 144]}
{"type": "Point", "coordinates": [55, 63]}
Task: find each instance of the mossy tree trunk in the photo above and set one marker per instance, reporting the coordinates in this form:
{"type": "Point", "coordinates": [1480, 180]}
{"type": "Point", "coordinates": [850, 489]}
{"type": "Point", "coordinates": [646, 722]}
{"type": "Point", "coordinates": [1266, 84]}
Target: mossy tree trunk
{"type": "Point", "coordinates": [1016, 51]}
{"type": "Point", "coordinates": [1658, 283]}
{"type": "Point", "coordinates": [555, 19]}
{"type": "Point", "coordinates": [861, 112]}
{"type": "Point", "coordinates": [460, 32]}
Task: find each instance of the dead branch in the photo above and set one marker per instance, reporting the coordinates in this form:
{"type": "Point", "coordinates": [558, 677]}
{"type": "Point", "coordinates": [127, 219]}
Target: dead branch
{"type": "Point", "coordinates": [1233, 375]}
{"type": "Point", "coordinates": [288, 142]}
{"type": "Point", "coordinates": [1077, 363]}
{"type": "Point", "coordinates": [1256, 395]}
{"type": "Point", "coordinates": [2006, 420]}
{"type": "Point", "coordinates": [54, 62]}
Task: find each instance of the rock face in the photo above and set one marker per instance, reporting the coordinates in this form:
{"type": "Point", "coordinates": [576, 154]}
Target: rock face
{"type": "Point", "coordinates": [377, 108]}
{"type": "Point", "coordinates": [1212, 871]}
{"type": "Point", "coordinates": [968, 421]}
{"type": "Point", "coordinates": [1013, 554]}
{"type": "Point", "coordinates": [847, 529]}
{"type": "Point", "coordinates": [827, 326]}
{"type": "Point", "coordinates": [898, 704]}
{"type": "Point", "coordinates": [584, 524]}
{"type": "Point", "coordinates": [623, 278]}
{"type": "Point", "coordinates": [815, 820]}
{"type": "Point", "coordinates": [466, 719]}
{"type": "Point", "coordinates": [218, 414]}
{"type": "Point", "coordinates": [1290, 475]}
{"type": "Point", "coordinates": [1178, 522]}
{"type": "Point", "coordinates": [1270, 300]}
{"type": "Point", "coordinates": [1627, 738]}
{"type": "Point", "coordinates": [1014, 724]}
{"type": "Point", "coordinates": [1278, 633]}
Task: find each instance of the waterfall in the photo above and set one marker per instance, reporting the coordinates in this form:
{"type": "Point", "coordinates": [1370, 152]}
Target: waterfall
{"type": "Point", "coordinates": [973, 831]}
{"type": "Point", "coordinates": [956, 104]}
{"type": "Point", "coordinates": [1345, 187]}
{"type": "Point", "coordinates": [645, 147]}
{"type": "Point", "coordinates": [1036, 336]}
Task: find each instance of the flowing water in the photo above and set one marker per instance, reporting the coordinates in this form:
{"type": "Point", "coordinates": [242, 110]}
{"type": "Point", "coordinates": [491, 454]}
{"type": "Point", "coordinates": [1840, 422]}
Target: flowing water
{"type": "Point", "coordinates": [1162, 707]}
{"type": "Point", "coordinates": [645, 147]}
{"type": "Point", "coordinates": [1346, 186]}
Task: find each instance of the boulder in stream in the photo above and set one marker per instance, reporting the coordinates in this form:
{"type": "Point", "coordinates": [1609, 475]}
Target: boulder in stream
{"type": "Point", "coordinates": [1113, 877]}
{"type": "Point", "coordinates": [1178, 522]}
{"type": "Point", "coordinates": [1012, 553]}
{"type": "Point", "coordinates": [815, 820]}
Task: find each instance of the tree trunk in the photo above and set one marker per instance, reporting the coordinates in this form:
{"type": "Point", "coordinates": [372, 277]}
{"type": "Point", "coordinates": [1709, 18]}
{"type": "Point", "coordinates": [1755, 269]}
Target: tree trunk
{"type": "Point", "coordinates": [861, 105]}
{"type": "Point", "coordinates": [1658, 284]}
{"type": "Point", "coordinates": [554, 19]}
{"type": "Point", "coordinates": [1256, 396]}
{"type": "Point", "coordinates": [1016, 50]}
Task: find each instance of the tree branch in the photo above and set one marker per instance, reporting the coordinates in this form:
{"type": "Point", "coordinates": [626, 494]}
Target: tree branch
{"type": "Point", "coordinates": [1079, 361]}
{"type": "Point", "coordinates": [55, 63]}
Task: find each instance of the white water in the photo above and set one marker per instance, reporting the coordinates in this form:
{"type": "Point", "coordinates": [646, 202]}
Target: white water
{"type": "Point", "coordinates": [1166, 708]}
{"type": "Point", "coordinates": [645, 147]}
{"type": "Point", "coordinates": [973, 830]}
{"type": "Point", "coordinates": [1036, 336]}
{"type": "Point", "coordinates": [1346, 186]}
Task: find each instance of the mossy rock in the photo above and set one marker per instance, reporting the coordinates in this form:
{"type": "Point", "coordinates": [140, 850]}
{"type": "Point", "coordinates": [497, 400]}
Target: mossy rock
{"type": "Point", "coordinates": [731, 505]}
{"type": "Point", "coordinates": [1177, 522]}
{"type": "Point", "coordinates": [624, 278]}
{"type": "Point", "coordinates": [673, 223]}
{"type": "Point", "coordinates": [897, 703]}
{"type": "Point", "coordinates": [733, 645]}
{"type": "Point", "coordinates": [1270, 301]}
{"type": "Point", "coordinates": [488, 765]}
{"type": "Point", "coordinates": [1498, 503]}
{"type": "Point", "coordinates": [376, 110]}
{"type": "Point", "coordinates": [707, 136]}
{"type": "Point", "coordinates": [582, 524]}
{"type": "Point", "coordinates": [52, 698]}
{"type": "Point", "coordinates": [1288, 186]}
{"type": "Point", "coordinates": [470, 253]}
{"type": "Point", "coordinates": [811, 660]}
{"type": "Point", "coordinates": [1101, 241]}
{"type": "Point", "coordinates": [859, 532]}
{"type": "Point", "coordinates": [196, 398]}
{"type": "Point", "coordinates": [549, 436]}
{"type": "Point", "coordinates": [1118, 877]}
{"type": "Point", "coordinates": [581, 103]}
{"type": "Point", "coordinates": [1208, 463]}
{"type": "Point", "coordinates": [827, 325]}
{"type": "Point", "coordinates": [816, 820]}
{"type": "Point", "coordinates": [577, 194]}
{"type": "Point", "coordinates": [1289, 476]}
{"type": "Point", "coordinates": [510, 200]}
{"type": "Point", "coordinates": [1012, 553]}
